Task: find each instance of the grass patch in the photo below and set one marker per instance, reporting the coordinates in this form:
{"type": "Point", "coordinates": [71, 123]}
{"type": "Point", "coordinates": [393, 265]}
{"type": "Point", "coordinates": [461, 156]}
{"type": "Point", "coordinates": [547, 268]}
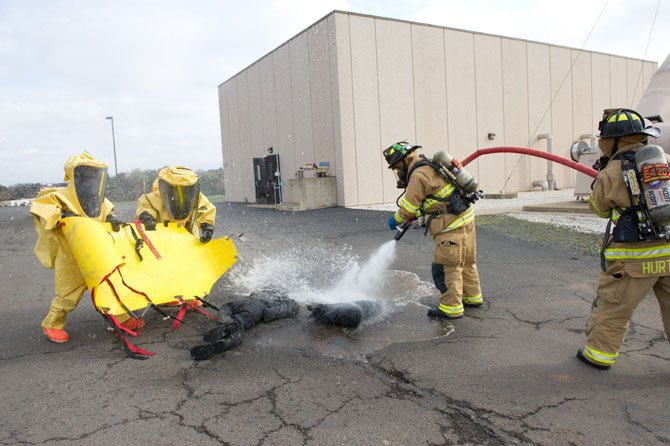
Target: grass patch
{"type": "Point", "coordinates": [544, 234]}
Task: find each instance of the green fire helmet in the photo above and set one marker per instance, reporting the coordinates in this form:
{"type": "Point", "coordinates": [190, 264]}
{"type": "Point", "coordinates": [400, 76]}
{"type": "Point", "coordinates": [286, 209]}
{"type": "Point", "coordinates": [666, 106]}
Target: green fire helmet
{"type": "Point", "coordinates": [395, 153]}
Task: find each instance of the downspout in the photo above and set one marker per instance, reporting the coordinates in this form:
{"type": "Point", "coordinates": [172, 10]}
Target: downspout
{"type": "Point", "coordinates": [551, 184]}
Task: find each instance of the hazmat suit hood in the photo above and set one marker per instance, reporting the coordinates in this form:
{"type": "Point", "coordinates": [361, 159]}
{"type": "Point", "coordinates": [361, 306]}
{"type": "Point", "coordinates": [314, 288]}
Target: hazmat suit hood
{"type": "Point", "coordinates": [87, 180]}
{"type": "Point", "coordinates": [52, 203]}
{"type": "Point", "coordinates": [179, 188]}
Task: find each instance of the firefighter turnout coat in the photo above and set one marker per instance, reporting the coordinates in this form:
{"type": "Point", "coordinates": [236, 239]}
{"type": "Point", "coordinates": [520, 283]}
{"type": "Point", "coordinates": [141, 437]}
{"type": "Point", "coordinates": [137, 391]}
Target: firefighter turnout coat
{"type": "Point", "coordinates": [454, 264]}
{"type": "Point", "coordinates": [631, 270]}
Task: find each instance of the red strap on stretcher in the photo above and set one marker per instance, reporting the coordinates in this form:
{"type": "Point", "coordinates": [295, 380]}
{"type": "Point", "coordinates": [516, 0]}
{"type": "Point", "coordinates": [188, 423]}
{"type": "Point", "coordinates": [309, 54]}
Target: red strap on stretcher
{"type": "Point", "coordinates": [132, 351]}
{"type": "Point", "coordinates": [147, 241]}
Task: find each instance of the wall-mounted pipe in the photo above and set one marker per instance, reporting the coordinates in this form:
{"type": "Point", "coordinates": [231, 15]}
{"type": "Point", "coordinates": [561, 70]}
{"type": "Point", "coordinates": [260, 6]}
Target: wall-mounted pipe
{"type": "Point", "coordinates": [591, 137]}
{"type": "Point", "coordinates": [551, 184]}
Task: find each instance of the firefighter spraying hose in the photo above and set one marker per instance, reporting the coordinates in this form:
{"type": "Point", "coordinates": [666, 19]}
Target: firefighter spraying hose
{"type": "Point", "coordinates": [440, 189]}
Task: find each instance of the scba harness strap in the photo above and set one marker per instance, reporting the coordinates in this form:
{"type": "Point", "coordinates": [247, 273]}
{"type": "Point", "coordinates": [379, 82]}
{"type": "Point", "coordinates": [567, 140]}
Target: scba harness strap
{"type": "Point", "coordinates": [457, 202]}
{"type": "Point", "coordinates": [632, 224]}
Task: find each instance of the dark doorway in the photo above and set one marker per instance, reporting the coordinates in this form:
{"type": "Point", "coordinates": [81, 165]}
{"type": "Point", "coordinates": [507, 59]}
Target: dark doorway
{"type": "Point", "coordinates": [267, 179]}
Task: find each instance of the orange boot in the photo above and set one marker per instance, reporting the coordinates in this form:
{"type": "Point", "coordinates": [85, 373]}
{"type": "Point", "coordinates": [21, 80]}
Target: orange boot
{"type": "Point", "coordinates": [57, 335]}
{"type": "Point", "coordinates": [192, 303]}
{"type": "Point", "coordinates": [133, 324]}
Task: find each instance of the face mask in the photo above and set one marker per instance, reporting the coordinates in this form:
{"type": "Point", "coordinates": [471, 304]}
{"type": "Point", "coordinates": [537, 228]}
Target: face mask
{"type": "Point", "coordinates": [401, 177]}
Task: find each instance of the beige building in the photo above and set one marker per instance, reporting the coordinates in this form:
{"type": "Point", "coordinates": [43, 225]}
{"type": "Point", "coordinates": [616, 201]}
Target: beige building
{"type": "Point", "coordinates": [350, 85]}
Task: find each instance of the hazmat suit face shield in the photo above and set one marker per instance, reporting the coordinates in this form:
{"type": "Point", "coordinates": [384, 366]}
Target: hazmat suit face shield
{"type": "Point", "coordinates": [90, 185]}
{"type": "Point", "coordinates": [179, 201]}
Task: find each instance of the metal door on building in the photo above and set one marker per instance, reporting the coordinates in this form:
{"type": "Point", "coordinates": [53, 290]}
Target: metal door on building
{"type": "Point", "coordinates": [267, 179]}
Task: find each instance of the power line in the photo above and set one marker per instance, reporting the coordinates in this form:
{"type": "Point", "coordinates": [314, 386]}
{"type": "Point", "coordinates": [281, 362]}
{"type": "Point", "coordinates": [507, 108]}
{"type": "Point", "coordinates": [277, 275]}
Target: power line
{"type": "Point", "coordinates": [530, 138]}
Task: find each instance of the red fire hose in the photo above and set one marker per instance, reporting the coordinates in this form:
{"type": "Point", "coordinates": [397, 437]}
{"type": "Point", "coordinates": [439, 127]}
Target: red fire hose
{"type": "Point", "coordinates": [533, 152]}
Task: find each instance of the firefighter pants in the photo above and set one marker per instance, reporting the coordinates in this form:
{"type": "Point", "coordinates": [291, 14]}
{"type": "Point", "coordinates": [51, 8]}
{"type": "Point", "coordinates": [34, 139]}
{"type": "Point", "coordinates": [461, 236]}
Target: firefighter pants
{"type": "Point", "coordinates": [618, 294]}
{"type": "Point", "coordinates": [455, 254]}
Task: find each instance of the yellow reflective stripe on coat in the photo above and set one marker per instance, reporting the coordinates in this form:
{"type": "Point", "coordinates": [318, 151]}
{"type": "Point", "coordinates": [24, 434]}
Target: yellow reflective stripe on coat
{"type": "Point", "coordinates": [446, 191]}
{"type": "Point", "coordinates": [600, 357]}
{"type": "Point", "coordinates": [398, 219]}
{"type": "Point", "coordinates": [452, 310]}
{"type": "Point", "coordinates": [637, 253]}
{"type": "Point", "coordinates": [466, 217]}
{"type": "Point", "coordinates": [598, 212]}
{"type": "Point", "coordinates": [409, 207]}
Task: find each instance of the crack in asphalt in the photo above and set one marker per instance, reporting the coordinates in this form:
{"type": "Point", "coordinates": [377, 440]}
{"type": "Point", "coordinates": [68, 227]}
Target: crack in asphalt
{"type": "Point", "coordinates": [471, 426]}
{"type": "Point", "coordinates": [538, 324]}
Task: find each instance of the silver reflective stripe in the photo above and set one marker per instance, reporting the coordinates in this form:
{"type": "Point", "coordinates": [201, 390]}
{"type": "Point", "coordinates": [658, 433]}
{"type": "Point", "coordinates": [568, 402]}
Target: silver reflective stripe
{"type": "Point", "coordinates": [408, 206]}
{"type": "Point", "coordinates": [601, 357]}
{"type": "Point", "coordinates": [467, 217]}
{"type": "Point", "coordinates": [446, 191]}
{"type": "Point", "coordinates": [637, 253]}
{"type": "Point", "coordinates": [451, 309]}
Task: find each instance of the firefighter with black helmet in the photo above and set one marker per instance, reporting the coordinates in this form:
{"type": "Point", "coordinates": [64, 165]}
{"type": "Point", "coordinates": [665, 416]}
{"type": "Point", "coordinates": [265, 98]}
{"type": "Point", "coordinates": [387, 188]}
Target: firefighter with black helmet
{"type": "Point", "coordinates": [451, 222]}
{"type": "Point", "coordinates": [635, 257]}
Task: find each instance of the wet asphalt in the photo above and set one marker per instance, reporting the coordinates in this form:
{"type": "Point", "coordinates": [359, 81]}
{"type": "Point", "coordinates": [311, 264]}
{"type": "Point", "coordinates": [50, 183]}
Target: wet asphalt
{"type": "Point", "coordinates": [503, 374]}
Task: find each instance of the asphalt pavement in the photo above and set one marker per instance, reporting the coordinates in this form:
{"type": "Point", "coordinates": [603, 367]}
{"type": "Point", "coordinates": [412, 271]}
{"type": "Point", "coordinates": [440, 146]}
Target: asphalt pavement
{"type": "Point", "coordinates": [503, 374]}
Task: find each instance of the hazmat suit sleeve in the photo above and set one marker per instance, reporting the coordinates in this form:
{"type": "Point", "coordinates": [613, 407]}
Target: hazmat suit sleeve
{"type": "Point", "coordinates": [206, 212]}
{"type": "Point", "coordinates": [144, 204]}
{"type": "Point", "coordinates": [47, 209]}
{"type": "Point", "coordinates": [106, 210]}
{"type": "Point", "coordinates": [416, 192]}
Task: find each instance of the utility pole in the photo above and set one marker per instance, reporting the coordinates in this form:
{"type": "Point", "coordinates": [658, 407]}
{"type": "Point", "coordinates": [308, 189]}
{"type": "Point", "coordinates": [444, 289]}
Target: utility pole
{"type": "Point", "coordinates": [116, 170]}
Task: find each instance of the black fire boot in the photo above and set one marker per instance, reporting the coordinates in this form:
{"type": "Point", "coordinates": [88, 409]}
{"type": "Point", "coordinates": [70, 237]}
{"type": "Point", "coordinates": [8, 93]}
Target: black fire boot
{"type": "Point", "coordinates": [436, 313]}
{"type": "Point", "coordinates": [581, 357]}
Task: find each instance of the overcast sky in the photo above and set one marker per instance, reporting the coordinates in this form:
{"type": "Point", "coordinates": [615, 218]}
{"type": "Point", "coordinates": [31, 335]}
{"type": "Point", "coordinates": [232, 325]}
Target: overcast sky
{"type": "Point", "coordinates": [155, 65]}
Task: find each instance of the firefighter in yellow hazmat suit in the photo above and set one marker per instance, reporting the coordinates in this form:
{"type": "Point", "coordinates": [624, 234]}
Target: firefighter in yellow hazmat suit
{"type": "Point", "coordinates": [176, 196]}
{"type": "Point", "coordinates": [83, 196]}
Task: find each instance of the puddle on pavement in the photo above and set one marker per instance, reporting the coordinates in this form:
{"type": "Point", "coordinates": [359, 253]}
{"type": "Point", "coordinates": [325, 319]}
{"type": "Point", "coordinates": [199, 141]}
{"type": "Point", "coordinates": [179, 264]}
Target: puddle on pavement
{"type": "Point", "coordinates": [403, 320]}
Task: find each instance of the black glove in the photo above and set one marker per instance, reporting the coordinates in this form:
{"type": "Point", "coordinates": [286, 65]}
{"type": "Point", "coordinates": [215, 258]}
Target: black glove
{"type": "Point", "coordinates": [115, 222]}
{"type": "Point", "coordinates": [148, 221]}
{"type": "Point", "coordinates": [206, 232]}
{"type": "Point", "coordinates": [64, 213]}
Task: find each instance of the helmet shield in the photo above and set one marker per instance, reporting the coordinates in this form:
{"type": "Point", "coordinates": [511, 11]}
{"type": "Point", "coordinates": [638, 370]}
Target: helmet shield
{"type": "Point", "coordinates": [90, 183]}
{"type": "Point", "coordinates": [178, 200]}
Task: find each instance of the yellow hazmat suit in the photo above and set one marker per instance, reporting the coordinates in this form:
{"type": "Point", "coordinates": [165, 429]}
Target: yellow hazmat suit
{"type": "Point", "coordinates": [175, 196]}
{"type": "Point", "coordinates": [83, 196]}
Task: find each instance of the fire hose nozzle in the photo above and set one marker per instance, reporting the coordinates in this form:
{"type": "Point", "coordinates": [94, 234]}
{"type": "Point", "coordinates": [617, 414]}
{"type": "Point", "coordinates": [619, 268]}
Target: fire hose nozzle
{"type": "Point", "coordinates": [401, 229]}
